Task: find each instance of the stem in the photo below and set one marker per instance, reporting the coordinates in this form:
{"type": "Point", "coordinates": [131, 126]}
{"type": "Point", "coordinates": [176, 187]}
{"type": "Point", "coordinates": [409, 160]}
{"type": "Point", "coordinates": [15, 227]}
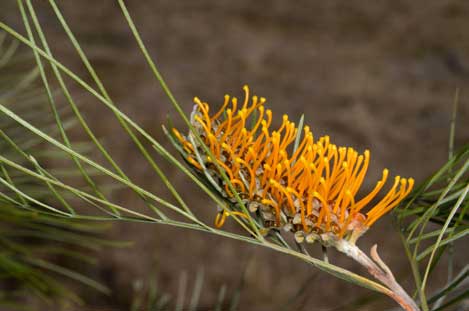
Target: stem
{"type": "Point", "coordinates": [377, 268]}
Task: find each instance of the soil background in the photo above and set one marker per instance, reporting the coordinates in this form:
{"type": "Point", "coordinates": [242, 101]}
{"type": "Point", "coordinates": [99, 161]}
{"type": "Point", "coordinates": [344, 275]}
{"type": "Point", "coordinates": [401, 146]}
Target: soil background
{"type": "Point", "coordinates": [379, 75]}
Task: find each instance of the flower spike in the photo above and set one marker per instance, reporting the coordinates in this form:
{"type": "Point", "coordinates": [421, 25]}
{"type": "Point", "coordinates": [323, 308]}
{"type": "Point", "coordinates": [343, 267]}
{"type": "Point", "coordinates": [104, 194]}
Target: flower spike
{"type": "Point", "coordinates": [310, 191]}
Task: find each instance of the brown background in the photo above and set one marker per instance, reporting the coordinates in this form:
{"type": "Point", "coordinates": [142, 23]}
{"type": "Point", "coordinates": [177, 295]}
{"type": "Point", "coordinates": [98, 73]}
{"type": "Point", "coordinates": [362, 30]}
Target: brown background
{"type": "Point", "coordinates": [371, 74]}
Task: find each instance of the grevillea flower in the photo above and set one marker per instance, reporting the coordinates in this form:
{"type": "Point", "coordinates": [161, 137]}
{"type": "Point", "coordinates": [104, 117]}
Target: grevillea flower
{"type": "Point", "coordinates": [305, 186]}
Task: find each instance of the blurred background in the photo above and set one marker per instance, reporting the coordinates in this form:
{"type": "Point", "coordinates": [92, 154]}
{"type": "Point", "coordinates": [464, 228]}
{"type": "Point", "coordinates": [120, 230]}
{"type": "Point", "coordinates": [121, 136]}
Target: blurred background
{"type": "Point", "coordinates": [380, 75]}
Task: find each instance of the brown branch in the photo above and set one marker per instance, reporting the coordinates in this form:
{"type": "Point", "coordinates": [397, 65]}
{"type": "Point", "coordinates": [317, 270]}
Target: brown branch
{"type": "Point", "coordinates": [377, 268]}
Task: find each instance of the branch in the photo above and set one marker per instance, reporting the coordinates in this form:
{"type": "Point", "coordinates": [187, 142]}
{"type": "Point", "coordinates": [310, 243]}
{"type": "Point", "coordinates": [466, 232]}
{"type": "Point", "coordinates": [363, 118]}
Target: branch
{"type": "Point", "coordinates": [377, 268]}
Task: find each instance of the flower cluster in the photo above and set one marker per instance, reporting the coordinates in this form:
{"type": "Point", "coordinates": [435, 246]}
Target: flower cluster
{"type": "Point", "coordinates": [305, 186]}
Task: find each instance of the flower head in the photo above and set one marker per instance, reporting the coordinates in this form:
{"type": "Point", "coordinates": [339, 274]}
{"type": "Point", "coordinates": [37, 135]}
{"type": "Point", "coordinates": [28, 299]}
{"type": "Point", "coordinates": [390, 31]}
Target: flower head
{"type": "Point", "coordinates": [305, 186]}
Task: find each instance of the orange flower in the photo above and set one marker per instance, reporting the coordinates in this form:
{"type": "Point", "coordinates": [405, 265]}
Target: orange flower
{"type": "Point", "coordinates": [310, 190]}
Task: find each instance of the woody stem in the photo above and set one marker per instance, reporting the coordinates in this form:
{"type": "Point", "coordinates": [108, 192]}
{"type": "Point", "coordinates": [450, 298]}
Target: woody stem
{"type": "Point", "coordinates": [377, 268]}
